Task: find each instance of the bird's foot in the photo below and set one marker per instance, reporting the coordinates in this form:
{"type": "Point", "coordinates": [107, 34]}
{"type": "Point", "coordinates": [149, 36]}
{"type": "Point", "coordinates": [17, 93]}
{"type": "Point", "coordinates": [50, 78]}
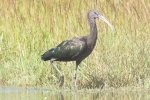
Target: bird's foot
{"type": "Point", "coordinates": [75, 84]}
{"type": "Point", "coordinates": [61, 80]}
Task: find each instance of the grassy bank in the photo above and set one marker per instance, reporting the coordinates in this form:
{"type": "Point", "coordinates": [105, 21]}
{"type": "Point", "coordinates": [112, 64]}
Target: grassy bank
{"type": "Point", "coordinates": [29, 28]}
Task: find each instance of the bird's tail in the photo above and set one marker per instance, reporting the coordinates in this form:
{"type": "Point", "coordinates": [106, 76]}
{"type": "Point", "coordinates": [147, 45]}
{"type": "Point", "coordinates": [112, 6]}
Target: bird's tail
{"type": "Point", "coordinates": [47, 55]}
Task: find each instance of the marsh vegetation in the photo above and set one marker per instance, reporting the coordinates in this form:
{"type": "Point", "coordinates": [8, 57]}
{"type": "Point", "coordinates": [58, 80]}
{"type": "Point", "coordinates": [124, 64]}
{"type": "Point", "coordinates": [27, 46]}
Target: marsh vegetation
{"type": "Point", "coordinates": [29, 28]}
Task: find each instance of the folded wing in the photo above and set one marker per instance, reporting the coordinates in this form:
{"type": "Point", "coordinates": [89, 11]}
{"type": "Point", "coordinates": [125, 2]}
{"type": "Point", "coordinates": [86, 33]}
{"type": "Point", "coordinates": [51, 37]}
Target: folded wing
{"type": "Point", "coordinates": [66, 51]}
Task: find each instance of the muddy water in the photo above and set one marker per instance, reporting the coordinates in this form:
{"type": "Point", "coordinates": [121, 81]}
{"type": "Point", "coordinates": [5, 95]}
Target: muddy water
{"type": "Point", "coordinates": [13, 93]}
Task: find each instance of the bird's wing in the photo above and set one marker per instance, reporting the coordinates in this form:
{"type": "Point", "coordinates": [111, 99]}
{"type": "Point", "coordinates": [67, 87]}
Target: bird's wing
{"type": "Point", "coordinates": [69, 49]}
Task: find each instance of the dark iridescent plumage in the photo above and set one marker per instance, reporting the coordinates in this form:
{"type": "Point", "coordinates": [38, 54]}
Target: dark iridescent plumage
{"type": "Point", "coordinates": [66, 51]}
{"type": "Point", "coordinates": [75, 49]}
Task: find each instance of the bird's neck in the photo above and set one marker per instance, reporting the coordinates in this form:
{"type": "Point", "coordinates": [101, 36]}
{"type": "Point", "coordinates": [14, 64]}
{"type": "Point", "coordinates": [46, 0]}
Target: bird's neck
{"type": "Point", "coordinates": [92, 37]}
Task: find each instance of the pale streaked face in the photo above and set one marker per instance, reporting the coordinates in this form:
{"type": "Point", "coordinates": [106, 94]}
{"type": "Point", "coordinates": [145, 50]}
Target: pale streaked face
{"type": "Point", "coordinates": [95, 14]}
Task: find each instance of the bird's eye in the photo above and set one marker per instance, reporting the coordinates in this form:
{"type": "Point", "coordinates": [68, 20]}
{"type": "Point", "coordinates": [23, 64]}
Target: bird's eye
{"type": "Point", "coordinates": [96, 13]}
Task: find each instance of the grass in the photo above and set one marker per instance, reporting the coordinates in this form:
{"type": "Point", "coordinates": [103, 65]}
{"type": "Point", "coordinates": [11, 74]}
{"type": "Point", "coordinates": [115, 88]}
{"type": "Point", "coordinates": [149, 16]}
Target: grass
{"type": "Point", "coordinates": [29, 28]}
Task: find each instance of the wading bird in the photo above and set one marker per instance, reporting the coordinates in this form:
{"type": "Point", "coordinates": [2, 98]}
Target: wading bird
{"type": "Point", "coordinates": [77, 48]}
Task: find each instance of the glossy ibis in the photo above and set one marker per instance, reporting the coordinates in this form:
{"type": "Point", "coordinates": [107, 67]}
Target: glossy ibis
{"type": "Point", "coordinates": [77, 48]}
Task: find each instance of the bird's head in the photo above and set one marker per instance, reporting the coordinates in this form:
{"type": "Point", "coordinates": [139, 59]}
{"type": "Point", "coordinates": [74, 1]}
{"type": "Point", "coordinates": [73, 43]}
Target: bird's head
{"type": "Point", "coordinates": [93, 14]}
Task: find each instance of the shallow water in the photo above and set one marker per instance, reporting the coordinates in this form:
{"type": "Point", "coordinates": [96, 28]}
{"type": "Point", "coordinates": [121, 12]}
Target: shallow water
{"type": "Point", "coordinates": [14, 93]}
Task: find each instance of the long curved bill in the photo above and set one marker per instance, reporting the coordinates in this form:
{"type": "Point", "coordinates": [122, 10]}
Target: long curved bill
{"type": "Point", "coordinates": [105, 20]}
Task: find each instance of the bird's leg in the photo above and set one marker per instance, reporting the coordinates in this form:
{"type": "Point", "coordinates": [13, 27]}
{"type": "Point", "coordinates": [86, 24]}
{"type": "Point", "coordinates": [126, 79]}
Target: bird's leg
{"type": "Point", "coordinates": [75, 76]}
{"type": "Point", "coordinates": [61, 75]}
{"type": "Point", "coordinates": [77, 63]}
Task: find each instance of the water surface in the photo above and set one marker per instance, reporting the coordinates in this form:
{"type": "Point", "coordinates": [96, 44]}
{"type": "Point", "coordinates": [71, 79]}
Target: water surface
{"type": "Point", "coordinates": [15, 93]}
